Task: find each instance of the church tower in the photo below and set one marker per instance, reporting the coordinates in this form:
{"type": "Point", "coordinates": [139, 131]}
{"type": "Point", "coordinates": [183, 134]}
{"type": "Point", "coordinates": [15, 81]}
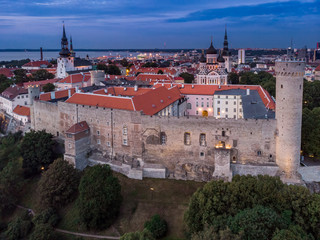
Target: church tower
{"type": "Point", "coordinates": [226, 53]}
{"type": "Point", "coordinates": [73, 54]}
{"type": "Point", "coordinates": [65, 62]}
{"type": "Point", "coordinates": [289, 90]}
{"type": "Point", "coordinates": [211, 56]}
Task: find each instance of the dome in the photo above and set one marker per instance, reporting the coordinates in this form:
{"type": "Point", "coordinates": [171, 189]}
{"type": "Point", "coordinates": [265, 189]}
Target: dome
{"type": "Point", "coordinates": [211, 49]}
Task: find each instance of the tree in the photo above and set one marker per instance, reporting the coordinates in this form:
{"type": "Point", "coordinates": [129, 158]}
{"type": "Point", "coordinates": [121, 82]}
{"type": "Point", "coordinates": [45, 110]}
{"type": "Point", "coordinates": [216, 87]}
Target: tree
{"type": "Point", "coordinates": [294, 232]}
{"type": "Point", "coordinates": [124, 62]}
{"type": "Point", "coordinates": [99, 197]}
{"type": "Point", "coordinates": [19, 228]}
{"type": "Point", "coordinates": [49, 87]}
{"type": "Point", "coordinates": [37, 150]}
{"type": "Point", "coordinates": [4, 82]}
{"type": "Point", "coordinates": [59, 184]}
{"type": "Point", "coordinates": [47, 216]}
{"type": "Point", "coordinates": [144, 235]}
{"type": "Point", "coordinates": [109, 69]}
{"type": "Point", "coordinates": [188, 78]}
{"type": "Point", "coordinates": [157, 226]}
{"type": "Point", "coordinates": [310, 134]}
{"type": "Point", "coordinates": [42, 74]}
{"type": "Point", "coordinates": [160, 72]}
{"type": "Point", "coordinates": [209, 233]}
{"type": "Point", "coordinates": [20, 76]}
{"type": "Point", "coordinates": [256, 223]}
{"type": "Point", "coordinates": [233, 78]}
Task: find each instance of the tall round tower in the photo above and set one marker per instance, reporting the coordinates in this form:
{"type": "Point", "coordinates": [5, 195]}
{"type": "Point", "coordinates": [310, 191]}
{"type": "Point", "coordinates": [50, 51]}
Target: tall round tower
{"type": "Point", "coordinates": [289, 90]}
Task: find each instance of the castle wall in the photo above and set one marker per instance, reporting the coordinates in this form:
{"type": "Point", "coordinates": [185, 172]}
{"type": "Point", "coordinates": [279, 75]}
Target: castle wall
{"type": "Point", "coordinates": [132, 138]}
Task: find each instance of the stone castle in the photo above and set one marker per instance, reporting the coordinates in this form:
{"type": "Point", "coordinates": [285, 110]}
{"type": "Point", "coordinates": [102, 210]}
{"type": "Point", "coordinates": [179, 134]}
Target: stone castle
{"type": "Point", "coordinates": [177, 146]}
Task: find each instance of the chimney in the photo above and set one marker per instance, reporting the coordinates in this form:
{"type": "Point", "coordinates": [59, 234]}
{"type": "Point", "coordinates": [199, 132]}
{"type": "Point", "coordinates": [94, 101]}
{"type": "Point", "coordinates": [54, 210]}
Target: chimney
{"type": "Point", "coordinates": [77, 89]}
{"type": "Point", "coordinates": [192, 86]}
{"type": "Point", "coordinates": [182, 86]}
{"type": "Point", "coordinates": [41, 54]}
{"type": "Point", "coordinates": [53, 95]}
{"type": "Point", "coordinates": [69, 93]}
{"type": "Point", "coordinates": [248, 91]}
{"type": "Point", "coordinates": [135, 88]}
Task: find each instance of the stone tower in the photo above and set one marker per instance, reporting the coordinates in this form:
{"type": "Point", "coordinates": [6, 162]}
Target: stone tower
{"type": "Point", "coordinates": [33, 93]}
{"type": "Point", "coordinates": [289, 89]}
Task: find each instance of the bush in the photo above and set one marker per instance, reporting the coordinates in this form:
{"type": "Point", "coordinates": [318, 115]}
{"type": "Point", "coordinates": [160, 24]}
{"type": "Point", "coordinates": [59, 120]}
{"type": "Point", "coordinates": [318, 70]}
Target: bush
{"type": "Point", "coordinates": [157, 226]}
{"type": "Point", "coordinates": [99, 197]}
{"type": "Point", "coordinates": [59, 184]}
{"type": "Point", "coordinates": [48, 216]}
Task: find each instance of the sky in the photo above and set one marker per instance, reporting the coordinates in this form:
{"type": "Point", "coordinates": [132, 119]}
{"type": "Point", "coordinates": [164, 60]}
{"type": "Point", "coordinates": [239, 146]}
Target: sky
{"type": "Point", "coordinates": [127, 24]}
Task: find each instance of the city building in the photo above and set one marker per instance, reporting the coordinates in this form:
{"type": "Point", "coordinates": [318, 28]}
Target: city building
{"type": "Point", "coordinates": [241, 56]}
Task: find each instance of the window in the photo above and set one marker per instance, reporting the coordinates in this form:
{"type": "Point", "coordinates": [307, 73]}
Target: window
{"type": "Point", "coordinates": [189, 106]}
{"type": "Point", "coordinates": [197, 104]}
{"type": "Point", "coordinates": [163, 138]}
{"type": "Point", "coordinates": [218, 111]}
{"type": "Point", "coordinates": [218, 96]}
{"type": "Point", "coordinates": [226, 115]}
{"type": "Point", "coordinates": [125, 135]}
{"type": "Point", "coordinates": [108, 144]}
{"type": "Point", "coordinates": [234, 97]}
{"type": "Point", "coordinates": [281, 86]}
{"type": "Point", "coordinates": [226, 109]}
{"type": "Point", "coordinates": [202, 139]}
{"type": "Point", "coordinates": [202, 104]}
{"type": "Point", "coordinates": [259, 153]}
{"type": "Point", "coordinates": [234, 110]}
{"type": "Point", "coordinates": [197, 112]}
{"type": "Point", "coordinates": [218, 102]}
{"type": "Point", "coordinates": [201, 154]}
{"type": "Point", "coordinates": [235, 143]}
{"type": "Point", "coordinates": [223, 133]}
{"type": "Point", "coordinates": [234, 116]}
{"type": "Point", "coordinates": [69, 135]}
{"type": "Point", "coordinates": [226, 97]}
{"type": "Point", "coordinates": [207, 104]}
{"type": "Point", "coordinates": [98, 133]}
{"type": "Point", "coordinates": [187, 138]}
{"type": "Point", "coordinates": [234, 103]}
{"type": "Point", "coordinates": [98, 141]}
{"type": "Point", "coordinates": [226, 102]}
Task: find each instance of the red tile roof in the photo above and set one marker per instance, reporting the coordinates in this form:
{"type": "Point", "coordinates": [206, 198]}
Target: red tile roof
{"type": "Point", "coordinates": [78, 127]}
{"type": "Point", "coordinates": [76, 78]}
{"type": "Point", "coordinates": [102, 101]}
{"type": "Point", "coordinates": [154, 77]}
{"type": "Point", "coordinates": [318, 68]}
{"type": "Point", "coordinates": [57, 94]}
{"type": "Point", "coordinates": [36, 64]}
{"type": "Point", "coordinates": [22, 110]}
{"type": "Point", "coordinates": [13, 91]}
{"type": "Point", "coordinates": [122, 91]}
{"type": "Point", "coordinates": [39, 83]}
{"type": "Point", "coordinates": [7, 72]}
{"type": "Point", "coordinates": [154, 101]}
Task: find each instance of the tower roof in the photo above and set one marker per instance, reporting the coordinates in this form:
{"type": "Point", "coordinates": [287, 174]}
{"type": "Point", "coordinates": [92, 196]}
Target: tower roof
{"type": "Point", "coordinates": [225, 51]}
{"type": "Point", "coordinates": [220, 59]}
{"type": "Point", "coordinates": [64, 44]}
{"type": "Point", "coordinates": [202, 58]}
{"type": "Point", "coordinates": [211, 49]}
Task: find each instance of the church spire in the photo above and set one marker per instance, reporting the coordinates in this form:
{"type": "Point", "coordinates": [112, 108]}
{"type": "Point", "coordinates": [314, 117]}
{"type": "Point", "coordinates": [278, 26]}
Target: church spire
{"type": "Point", "coordinates": [64, 44]}
{"type": "Point", "coordinates": [225, 51]}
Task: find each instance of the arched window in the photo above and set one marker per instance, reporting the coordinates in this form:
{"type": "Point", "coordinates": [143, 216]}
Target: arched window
{"type": "Point", "coordinates": [125, 135]}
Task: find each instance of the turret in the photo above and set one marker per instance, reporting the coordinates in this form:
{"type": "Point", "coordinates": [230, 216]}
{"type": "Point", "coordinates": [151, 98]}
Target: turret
{"type": "Point", "coordinates": [33, 93]}
{"type": "Point", "coordinates": [289, 90]}
{"type": "Point", "coordinates": [97, 77]}
{"type": "Point", "coordinates": [73, 54]}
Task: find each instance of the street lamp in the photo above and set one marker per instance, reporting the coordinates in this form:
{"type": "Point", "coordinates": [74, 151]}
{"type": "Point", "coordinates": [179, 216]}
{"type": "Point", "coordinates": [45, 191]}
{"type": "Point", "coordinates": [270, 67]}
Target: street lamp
{"type": "Point", "coordinates": [152, 189]}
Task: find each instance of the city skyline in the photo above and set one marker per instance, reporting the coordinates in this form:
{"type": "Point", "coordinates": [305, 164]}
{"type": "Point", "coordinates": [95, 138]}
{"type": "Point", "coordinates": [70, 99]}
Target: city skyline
{"type": "Point", "coordinates": [154, 24]}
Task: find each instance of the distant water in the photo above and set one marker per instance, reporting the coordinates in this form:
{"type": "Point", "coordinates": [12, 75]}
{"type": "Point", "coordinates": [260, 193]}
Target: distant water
{"type": "Point", "coordinates": [8, 56]}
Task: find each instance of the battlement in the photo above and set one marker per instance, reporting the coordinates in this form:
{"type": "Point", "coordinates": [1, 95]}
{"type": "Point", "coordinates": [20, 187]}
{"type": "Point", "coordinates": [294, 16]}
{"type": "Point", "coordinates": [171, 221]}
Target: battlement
{"type": "Point", "coordinates": [291, 60]}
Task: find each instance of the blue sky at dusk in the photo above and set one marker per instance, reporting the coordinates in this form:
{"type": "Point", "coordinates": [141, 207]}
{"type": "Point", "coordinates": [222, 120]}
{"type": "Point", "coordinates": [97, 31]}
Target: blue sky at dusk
{"type": "Point", "coordinates": [153, 23]}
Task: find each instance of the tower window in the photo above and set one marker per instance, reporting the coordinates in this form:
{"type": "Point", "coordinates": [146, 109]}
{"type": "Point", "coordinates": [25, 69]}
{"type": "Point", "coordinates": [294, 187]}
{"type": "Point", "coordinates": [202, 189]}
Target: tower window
{"type": "Point", "coordinates": [163, 138]}
{"type": "Point", "coordinates": [223, 133]}
{"type": "Point", "coordinates": [281, 86]}
{"type": "Point", "coordinates": [259, 153]}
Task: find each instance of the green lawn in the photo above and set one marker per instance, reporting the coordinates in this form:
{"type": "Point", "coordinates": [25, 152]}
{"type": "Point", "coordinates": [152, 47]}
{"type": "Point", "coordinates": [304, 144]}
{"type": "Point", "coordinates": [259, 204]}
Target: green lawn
{"type": "Point", "coordinates": [169, 199]}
